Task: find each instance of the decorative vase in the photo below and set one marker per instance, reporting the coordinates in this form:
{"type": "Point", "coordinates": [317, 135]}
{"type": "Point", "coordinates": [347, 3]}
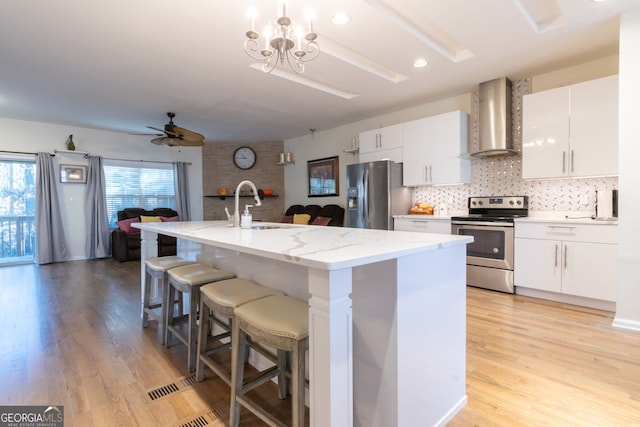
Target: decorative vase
{"type": "Point", "coordinates": [70, 145]}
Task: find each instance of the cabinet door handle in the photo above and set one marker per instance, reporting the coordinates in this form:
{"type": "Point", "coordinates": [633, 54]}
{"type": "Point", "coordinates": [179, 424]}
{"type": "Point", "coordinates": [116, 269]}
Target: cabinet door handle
{"type": "Point", "coordinates": [556, 256]}
{"type": "Point", "coordinates": [430, 174]}
{"type": "Point", "coordinates": [565, 257]}
{"type": "Point", "coordinates": [564, 162]}
{"type": "Point", "coordinates": [572, 156]}
{"type": "Point", "coordinates": [426, 173]}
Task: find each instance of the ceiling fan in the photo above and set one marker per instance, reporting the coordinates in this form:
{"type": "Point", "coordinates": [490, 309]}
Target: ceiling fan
{"type": "Point", "coordinates": [175, 135]}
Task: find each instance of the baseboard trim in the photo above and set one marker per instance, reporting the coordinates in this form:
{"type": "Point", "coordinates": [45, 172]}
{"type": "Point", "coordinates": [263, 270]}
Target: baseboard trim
{"type": "Point", "coordinates": [633, 325]}
{"type": "Point", "coordinates": [452, 412]}
{"type": "Point", "coordinates": [567, 299]}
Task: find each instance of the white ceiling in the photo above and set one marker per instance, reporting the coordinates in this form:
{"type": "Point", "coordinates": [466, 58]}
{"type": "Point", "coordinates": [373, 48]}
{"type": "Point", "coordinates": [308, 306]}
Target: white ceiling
{"type": "Point", "coordinates": [121, 65]}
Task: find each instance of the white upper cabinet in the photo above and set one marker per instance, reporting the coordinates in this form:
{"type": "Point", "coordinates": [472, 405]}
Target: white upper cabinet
{"type": "Point", "coordinates": [545, 133]}
{"type": "Point", "coordinates": [571, 131]}
{"type": "Point", "coordinates": [432, 149]}
{"type": "Point", "coordinates": [594, 127]}
{"type": "Point", "coordinates": [382, 144]}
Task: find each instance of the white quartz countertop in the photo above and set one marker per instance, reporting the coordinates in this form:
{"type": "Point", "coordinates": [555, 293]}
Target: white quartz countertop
{"type": "Point", "coordinates": [566, 218]}
{"type": "Point", "coordinates": [322, 247]}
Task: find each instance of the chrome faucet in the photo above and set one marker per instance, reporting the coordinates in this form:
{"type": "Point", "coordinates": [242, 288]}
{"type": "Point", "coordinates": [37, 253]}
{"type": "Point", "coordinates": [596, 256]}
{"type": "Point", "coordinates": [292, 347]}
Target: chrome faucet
{"type": "Point", "coordinates": [236, 213]}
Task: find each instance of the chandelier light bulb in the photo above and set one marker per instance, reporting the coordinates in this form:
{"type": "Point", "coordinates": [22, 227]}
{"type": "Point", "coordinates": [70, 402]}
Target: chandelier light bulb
{"type": "Point", "coordinates": [284, 41]}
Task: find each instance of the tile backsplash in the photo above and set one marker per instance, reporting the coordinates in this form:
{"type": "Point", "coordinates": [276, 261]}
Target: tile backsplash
{"type": "Point", "coordinates": [502, 176]}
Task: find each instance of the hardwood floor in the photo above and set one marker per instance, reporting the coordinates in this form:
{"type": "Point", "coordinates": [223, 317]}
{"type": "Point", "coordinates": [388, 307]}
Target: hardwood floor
{"type": "Point", "coordinates": [71, 336]}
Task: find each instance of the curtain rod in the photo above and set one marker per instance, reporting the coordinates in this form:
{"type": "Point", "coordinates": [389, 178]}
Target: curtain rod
{"type": "Point", "coordinates": [22, 152]}
{"type": "Point", "coordinates": [87, 155]}
{"type": "Point", "coordinates": [142, 161]}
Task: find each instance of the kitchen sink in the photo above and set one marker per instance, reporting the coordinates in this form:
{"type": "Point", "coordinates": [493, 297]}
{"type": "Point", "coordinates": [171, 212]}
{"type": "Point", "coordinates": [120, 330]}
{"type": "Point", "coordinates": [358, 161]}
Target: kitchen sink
{"type": "Point", "coordinates": [267, 227]}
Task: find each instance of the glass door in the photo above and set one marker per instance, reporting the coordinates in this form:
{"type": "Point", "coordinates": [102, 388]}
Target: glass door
{"type": "Point", "coordinates": [17, 211]}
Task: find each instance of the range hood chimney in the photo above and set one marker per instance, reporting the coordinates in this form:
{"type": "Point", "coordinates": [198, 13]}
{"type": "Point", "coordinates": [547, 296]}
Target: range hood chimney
{"type": "Point", "coordinates": [494, 119]}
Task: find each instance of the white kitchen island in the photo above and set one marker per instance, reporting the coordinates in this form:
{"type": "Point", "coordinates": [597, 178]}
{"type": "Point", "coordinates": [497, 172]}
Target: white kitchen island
{"type": "Point", "coordinates": [386, 312]}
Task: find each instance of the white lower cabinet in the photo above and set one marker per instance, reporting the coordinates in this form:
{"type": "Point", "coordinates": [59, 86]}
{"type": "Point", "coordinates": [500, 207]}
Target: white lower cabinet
{"type": "Point", "coordinates": [425, 225]}
{"type": "Point", "coordinates": [571, 259]}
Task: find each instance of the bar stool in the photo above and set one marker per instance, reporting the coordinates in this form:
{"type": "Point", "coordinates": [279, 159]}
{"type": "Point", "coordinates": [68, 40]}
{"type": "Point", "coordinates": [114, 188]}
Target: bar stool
{"type": "Point", "coordinates": [222, 298]}
{"type": "Point", "coordinates": [188, 279]}
{"type": "Point", "coordinates": [280, 322]}
{"type": "Point", "coordinates": [156, 270]}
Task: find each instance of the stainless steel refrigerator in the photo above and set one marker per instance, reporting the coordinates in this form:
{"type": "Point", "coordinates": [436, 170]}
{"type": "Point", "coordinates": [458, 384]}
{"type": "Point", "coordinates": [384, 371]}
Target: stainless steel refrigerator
{"type": "Point", "coordinates": [375, 193]}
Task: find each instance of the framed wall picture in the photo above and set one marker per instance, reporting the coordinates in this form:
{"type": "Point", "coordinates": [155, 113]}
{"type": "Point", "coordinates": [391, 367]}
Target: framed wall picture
{"type": "Point", "coordinates": [73, 174]}
{"type": "Point", "coordinates": [324, 177]}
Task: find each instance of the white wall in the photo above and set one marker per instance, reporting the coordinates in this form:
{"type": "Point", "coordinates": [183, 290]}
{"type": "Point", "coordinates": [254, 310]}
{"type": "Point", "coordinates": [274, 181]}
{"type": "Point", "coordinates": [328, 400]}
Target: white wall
{"type": "Point", "coordinates": [628, 307]}
{"type": "Point", "coordinates": [18, 135]}
{"type": "Point", "coordinates": [334, 141]}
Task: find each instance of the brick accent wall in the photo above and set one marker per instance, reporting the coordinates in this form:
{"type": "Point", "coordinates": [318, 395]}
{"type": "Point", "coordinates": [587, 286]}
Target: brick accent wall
{"type": "Point", "coordinates": [218, 170]}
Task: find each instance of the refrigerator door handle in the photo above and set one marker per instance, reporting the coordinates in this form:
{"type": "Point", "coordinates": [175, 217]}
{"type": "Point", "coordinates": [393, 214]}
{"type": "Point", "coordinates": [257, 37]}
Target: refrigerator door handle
{"type": "Point", "coordinates": [365, 198]}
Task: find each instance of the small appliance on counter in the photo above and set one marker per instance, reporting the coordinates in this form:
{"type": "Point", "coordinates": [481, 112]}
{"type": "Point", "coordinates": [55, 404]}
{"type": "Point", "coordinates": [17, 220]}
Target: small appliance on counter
{"type": "Point", "coordinates": [606, 205]}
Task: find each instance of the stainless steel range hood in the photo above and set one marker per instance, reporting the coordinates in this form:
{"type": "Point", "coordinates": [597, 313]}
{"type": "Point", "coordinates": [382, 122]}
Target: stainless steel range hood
{"type": "Point", "coordinates": [494, 119]}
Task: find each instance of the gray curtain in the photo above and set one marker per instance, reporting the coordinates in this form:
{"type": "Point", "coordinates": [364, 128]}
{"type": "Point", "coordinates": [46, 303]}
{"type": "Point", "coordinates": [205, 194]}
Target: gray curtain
{"type": "Point", "coordinates": [182, 191]}
{"type": "Point", "coordinates": [51, 244]}
{"type": "Point", "coordinates": [98, 238]}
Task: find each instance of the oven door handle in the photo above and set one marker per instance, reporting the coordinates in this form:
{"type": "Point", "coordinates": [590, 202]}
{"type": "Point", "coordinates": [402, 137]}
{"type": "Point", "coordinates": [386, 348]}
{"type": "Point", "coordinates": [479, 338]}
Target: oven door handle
{"type": "Point", "coordinates": [486, 225]}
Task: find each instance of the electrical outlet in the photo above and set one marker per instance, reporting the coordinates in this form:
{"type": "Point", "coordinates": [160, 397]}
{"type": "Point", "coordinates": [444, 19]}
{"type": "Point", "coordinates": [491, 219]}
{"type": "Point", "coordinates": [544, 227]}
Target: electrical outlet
{"type": "Point", "coordinates": [584, 199]}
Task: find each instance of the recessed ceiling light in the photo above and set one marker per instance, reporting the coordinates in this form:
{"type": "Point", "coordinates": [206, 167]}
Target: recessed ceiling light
{"type": "Point", "coordinates": [420, 62]}
{"type": "Point", "coordinates": [340, 18]}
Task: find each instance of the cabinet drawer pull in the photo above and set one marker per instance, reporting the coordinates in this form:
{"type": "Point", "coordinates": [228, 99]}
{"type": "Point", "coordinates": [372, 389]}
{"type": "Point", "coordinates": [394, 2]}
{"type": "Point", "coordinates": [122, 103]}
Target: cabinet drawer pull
{"type": "Point", "coordinates": [567, 227]}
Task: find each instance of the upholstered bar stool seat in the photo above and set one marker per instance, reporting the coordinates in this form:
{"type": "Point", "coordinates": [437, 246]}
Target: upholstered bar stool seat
{"type": "Point", "coordinates": [280, 322]}
{"type": "Point", "coordinates": [188, 279]}
{"type": "Point", "coordinates": [222, 298]}
{"type": "Point", "coordinates": [156, 270]}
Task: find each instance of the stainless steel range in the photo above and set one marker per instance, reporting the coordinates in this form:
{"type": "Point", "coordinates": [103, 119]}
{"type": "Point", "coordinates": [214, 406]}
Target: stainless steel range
{"type": "Point", "coordinates": [490, 256]}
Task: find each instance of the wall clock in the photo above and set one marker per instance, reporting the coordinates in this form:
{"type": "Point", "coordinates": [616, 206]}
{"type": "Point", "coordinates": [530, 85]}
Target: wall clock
{"type": "Point", "coordinates": [244, 158]}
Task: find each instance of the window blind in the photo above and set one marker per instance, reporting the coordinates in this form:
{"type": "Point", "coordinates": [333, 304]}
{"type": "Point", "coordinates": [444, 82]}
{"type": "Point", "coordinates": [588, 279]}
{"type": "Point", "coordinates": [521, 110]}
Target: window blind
{"type": "Point", "coordinates": [147, 185]}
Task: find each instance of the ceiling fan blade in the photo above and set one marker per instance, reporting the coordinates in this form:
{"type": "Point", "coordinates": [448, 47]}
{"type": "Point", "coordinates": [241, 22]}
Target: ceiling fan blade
{"type": "Point", "coordinates": [158, 141]}
{"type": "Point", "coordinates": [155, 128]}
{"type": "Point", "coordinates": [188, 137]}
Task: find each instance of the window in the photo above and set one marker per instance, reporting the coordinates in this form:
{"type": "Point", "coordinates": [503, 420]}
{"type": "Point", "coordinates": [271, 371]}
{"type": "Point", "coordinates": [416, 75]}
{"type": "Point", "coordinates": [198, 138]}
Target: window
{"type": "Point", "coordinates": [17, 210]}
{"type": "Point", "coordinates": [148, 185]}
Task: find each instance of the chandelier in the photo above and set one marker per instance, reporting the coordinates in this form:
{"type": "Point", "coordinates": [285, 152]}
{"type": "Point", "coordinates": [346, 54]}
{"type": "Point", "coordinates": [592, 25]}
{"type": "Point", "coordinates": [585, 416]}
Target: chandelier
{"type": "Point", "coordinates": [283, 41]}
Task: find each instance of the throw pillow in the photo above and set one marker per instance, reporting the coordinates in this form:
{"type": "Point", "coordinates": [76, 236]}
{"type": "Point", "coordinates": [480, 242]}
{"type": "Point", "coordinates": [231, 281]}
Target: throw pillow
{"type": "Point", "coordinates": [125, 225]}
{"type": "Point", "coordinates": [287, 219]}
{"type": "Point", "coordinates": [321, 220]}
{"type": "Point", "coordinates": [169, 219]}
{"type": "Point", "coordinates": [301, 218]}
{"type": "Point", "coordinates": [149, 218]}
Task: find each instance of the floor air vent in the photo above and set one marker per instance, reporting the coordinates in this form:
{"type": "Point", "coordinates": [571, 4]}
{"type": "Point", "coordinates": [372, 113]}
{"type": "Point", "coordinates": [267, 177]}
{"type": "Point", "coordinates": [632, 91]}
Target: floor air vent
{"type": "Point", "coordinates": [169, 389]}
{"type": "Point", "coordinates": [197, 422]}
{"type": "Point", "coordinates": [217, 417]}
